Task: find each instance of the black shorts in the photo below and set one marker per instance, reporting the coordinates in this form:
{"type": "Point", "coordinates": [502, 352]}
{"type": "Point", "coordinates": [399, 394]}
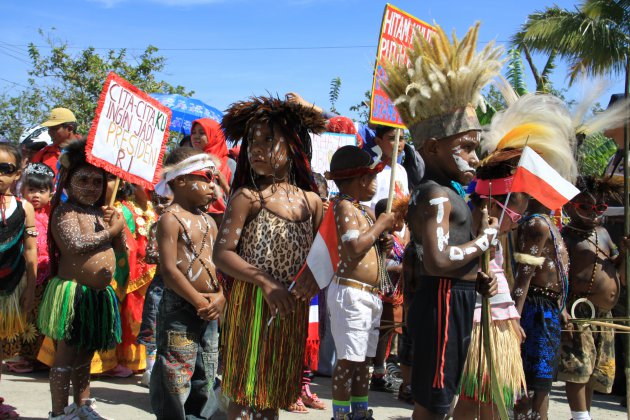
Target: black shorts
{"type": "Point", "coordinates": [441, 320]}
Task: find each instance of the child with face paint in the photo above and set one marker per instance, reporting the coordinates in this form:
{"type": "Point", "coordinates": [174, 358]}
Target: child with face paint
{"type": "Point", "coordinates": [507, 335]}
{"type": "Point", "coordinates": [18, 255]}
{"type": "Point", "coordinates": [436, 101]}
{"type": "Point", "coordinates": [187, 326]}
{"type": "Point", "coordinates": [263, 242]}
{"type": "Point", "coordinates": [36, 188]}
{"type": "Point", "coordinates": [353, 295]}
{"type": "Point", "coordinates": [79, 308]}
{"type": "Point", "coordinates": [587, 353]}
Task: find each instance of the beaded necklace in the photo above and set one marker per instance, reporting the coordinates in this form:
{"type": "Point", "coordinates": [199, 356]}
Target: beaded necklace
{"type": "Point", "coordinates": [385, 283]}
{"type": "Point", "coordinates": [563, 270]}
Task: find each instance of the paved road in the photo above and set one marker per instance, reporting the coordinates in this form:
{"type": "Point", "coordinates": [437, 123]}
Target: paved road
{"type": "Point", "coordinates": [125, 399]}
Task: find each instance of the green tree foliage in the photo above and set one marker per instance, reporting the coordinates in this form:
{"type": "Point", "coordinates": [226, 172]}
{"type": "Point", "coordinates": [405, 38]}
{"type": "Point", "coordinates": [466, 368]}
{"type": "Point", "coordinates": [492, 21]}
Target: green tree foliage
{"type": "Point", "coordinates": [363, 107]}
{"type": "Point", "coordinates": [515, 72]}
{"type": "Point", "coordinates": [333, 94]}
{"type": "Point", "coordinates": [594, 38]}
{"type": "Point", "coordinates": [59, 77]}
{"type": "Point", "coordinates": [594, 153]}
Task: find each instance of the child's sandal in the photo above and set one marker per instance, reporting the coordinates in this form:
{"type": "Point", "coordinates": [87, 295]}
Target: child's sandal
{"type": "Point", "coordinates": [7, 412]}
{"type": "Point", "coordinates": [297, 407]}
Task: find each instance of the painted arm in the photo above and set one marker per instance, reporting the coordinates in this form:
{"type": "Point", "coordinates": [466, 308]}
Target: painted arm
{"type": "Point", "coordinates": [531, 242]}
{"type": "Point", "coordinates": [68, 227]}
{"type": "Point", "coordinates": [429, 218]}
{"type": "Point", "coordinates": [168, 233]}
{"type": "Point", "coordinates": [354, 242]}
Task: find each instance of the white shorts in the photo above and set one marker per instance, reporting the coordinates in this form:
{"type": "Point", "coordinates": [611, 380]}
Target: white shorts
{"type": "Point", "coordinates": [355, 316]}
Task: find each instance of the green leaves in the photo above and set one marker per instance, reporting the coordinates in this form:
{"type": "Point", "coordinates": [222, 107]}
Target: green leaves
{"type": "Point", "coordinates": [333, 94]}
{"type": "Point", "coordinates": [594, 153]}
{"type": "Point", "coordinates": [515, 72]}
{"type": "Point", "coordinates": [60, 77]}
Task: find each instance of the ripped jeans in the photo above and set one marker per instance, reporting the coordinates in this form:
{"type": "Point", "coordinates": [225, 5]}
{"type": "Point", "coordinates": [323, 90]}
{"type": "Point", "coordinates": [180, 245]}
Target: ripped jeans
{"type": "Point", "coordinates": [182, 379]}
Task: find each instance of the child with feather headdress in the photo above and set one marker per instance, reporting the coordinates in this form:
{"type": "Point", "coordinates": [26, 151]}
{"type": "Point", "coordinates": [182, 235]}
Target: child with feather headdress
{"type": "Point", "coordinates": [436, 98]}
{"type": "Point", "coordinates": [264, 238]}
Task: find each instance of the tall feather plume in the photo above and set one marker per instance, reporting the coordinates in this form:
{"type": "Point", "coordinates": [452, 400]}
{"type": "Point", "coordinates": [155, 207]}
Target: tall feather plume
{"type": "Point", "coordinates": [541, 122]}
{"type": "Point", "coordinates": [614, 117]}
{"type": "Point", "coordinates": [446, 75]}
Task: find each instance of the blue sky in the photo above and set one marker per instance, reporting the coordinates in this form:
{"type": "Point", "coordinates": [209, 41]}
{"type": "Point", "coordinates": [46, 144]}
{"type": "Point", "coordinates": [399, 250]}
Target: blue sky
{"type": "Point", "coordinates": [247, 27]}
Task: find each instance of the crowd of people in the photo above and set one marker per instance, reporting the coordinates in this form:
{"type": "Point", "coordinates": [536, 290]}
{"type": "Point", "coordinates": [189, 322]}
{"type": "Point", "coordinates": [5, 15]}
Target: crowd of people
{"type": "Point", "coordinates": [205, 284]}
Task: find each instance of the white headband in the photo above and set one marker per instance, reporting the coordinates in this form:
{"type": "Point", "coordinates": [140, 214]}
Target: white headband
{"type": "Point", "coordinates": [186, 166]}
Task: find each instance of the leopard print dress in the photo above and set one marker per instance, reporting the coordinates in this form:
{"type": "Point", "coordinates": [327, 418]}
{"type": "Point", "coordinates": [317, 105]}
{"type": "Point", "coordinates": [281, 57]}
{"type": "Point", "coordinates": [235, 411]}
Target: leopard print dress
{"type": "Point", "coordinates": [263, 359]}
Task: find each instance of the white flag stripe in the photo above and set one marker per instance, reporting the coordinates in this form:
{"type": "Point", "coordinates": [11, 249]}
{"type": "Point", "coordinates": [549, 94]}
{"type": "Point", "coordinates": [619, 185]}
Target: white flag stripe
{"type": "Point", "coordinates": [536, 165]}
{"type": "Point", "coordinates": [319, 262]}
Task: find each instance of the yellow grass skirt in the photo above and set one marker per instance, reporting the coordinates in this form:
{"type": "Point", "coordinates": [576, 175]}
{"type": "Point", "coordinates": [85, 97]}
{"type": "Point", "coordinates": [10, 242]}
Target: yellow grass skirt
{"type": "Point", "coordinates": [12, 318]}
{"type": "Point", "coordinates": [506, 357]}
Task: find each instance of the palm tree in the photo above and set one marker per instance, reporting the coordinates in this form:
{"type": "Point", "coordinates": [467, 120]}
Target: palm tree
{"type": "Point", "coordinates": [594, 38]}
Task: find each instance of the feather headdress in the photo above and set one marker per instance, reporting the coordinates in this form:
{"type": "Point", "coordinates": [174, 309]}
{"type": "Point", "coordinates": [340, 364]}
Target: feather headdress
{"type": "Point", "coordinates": [543, 123]}
{"type": "Point", "coordinates": [437, 96]}
{"type": "Point", "coordinates": [294, 120]}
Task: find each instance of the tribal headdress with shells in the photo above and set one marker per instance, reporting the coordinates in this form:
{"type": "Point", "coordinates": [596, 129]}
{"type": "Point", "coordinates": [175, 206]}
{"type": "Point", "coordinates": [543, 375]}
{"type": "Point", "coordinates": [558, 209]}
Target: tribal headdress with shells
{"type": "Point", "coordinates": [437, 96]}
{"type": "Point", "coordinates": [294, 120]}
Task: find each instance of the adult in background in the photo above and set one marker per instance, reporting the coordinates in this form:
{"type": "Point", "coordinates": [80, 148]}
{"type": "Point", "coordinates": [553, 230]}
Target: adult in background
{"type": "Point", "coordinates": [206, 135]}
{"type": "Point", "coordinates": [62, 127]}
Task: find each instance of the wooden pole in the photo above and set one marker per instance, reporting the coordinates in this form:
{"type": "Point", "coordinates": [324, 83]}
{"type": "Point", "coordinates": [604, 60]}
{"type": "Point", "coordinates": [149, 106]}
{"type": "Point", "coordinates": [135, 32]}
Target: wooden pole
{"type": "Point", "coordinates": [392, 177]}
{"type": "Point", "coordinates": [112, 199]}
{"type": "Point", "coordinates": [626, 225]}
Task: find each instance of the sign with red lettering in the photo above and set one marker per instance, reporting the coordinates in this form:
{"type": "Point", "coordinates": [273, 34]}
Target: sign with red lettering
{"type": "Point", "coordinates": [397, 31]}
{"type": "Point", "coordinates": [129, 133]}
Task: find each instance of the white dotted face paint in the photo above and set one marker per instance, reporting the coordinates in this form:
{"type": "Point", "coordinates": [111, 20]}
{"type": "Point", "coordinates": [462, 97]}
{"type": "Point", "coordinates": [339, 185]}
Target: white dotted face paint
{"type": "Point", "coordinates": [442, 239]}
{"type": "Point", "coordinates": [456, 254]}
{"type": "Point", "coordinates": [439, 202]}
{"type": "Point", "coordinates": [350, 235]}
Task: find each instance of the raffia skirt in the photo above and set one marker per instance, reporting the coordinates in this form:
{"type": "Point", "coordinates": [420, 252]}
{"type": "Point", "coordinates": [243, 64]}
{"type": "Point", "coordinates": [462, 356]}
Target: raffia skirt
{"type": "Point", "coordinates": [12, 318]}
{"type": "Point", "coordinates": [506, 357]}
{"type": "Point", "coordinates": [263, 364]}
{"type": "Point", "coordinates": [84, 317]}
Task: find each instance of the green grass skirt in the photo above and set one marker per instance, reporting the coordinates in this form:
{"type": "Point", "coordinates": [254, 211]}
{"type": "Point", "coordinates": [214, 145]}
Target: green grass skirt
{"type": "Point", "coordinates": [81, 316]}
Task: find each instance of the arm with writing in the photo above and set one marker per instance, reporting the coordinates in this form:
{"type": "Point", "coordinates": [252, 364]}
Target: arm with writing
{"type": "Point", "coordinates": [430, 221]}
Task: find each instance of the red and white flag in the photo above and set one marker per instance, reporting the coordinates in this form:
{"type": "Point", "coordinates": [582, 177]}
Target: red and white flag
{"type": "Point", "coordinates": [535, 177]}
{"type": "Point", "coordinates": [323, 258]}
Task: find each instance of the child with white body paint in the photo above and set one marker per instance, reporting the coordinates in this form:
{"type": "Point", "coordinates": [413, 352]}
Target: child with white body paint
{"type": "Point", "coordinates": [353, 295]}
{"type": "Point", "coordinates": [192, 301]}
{"type": "Point", "coordinates": [437, 102]}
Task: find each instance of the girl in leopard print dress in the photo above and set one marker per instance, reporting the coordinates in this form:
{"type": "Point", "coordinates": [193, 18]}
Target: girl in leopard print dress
{"type": "Point", "coordinates": [262, 243]}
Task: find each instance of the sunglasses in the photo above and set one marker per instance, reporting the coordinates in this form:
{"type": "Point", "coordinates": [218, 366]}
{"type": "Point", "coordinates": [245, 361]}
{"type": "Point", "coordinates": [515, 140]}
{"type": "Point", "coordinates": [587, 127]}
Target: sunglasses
{"type": "Point", "coordinates": [514, 216]}
{"type": "Point", "coordinates": [208, 174]}
{"type": "Point", "coordinates": [597, 208]}
{"type": "Point", "coordinates": [7, 168]}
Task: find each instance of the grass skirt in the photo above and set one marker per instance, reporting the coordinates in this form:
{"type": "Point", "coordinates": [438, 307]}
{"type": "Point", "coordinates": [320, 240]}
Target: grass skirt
{"type": "Point", "coordinates": [263, 365]}
{"type": "Point", "coordinates": [506, 357]}
{"type": "Point", "coordinates": [81, 316]}
{"type": "Point", "coordinates": [12, 319]}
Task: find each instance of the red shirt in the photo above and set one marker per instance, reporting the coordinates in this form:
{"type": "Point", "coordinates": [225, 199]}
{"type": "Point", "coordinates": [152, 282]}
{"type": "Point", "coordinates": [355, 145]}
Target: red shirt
{"type": "Point", "coordinates": [49, 155]}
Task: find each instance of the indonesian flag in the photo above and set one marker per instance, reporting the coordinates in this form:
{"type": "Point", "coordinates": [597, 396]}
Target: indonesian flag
{"type": "Point", "coordinates": [535, 177]}
{"type": "Point", "coordinates": [323, 258]}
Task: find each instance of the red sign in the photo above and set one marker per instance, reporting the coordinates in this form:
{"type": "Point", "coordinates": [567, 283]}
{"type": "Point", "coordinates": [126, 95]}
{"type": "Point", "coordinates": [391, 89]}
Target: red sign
{"type": "Point", "coordinates": [397, 31]}
{"type": "Point", "coordinates": [129, 133]}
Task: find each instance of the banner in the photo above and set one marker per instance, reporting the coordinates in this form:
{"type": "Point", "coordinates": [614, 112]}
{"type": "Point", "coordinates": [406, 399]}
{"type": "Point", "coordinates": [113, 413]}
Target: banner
{"type": "Point", "coordinates": [324, 145]}
{"type": "Point", "coordinates": [397, 31]}
{"type": "Point", "coordinates": [129, 133]}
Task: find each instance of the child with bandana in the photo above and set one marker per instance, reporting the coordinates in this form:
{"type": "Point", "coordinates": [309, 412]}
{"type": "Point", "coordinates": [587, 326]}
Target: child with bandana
{"type": "Point", "coordinates": [181, 383]}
